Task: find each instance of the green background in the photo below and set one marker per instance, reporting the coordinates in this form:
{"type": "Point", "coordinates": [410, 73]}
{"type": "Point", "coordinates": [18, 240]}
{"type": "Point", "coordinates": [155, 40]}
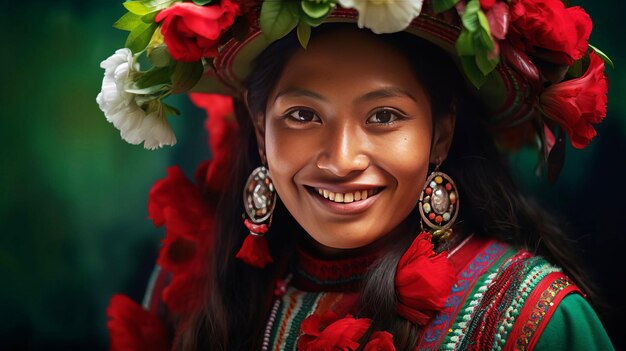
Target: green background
{"type": "Point", "coordinates": [74, 227]}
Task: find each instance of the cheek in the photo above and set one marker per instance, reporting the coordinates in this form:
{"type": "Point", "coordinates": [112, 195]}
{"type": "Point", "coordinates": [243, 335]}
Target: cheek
{"type": "Point", "coordinates": [286, 154]}
{"type": "Point", "coordinates": [405, 157]}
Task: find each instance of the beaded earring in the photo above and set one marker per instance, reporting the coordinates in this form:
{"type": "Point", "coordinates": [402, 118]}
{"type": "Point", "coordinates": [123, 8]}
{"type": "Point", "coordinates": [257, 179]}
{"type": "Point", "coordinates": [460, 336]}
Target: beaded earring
{"type": "Point", "coordinates": [439, 204]}
{"type": "Point", "coordinates": [259, 199]}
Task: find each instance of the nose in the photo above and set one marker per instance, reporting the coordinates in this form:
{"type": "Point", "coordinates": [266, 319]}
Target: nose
{"type": "Point", "coordinates": [344, 151]}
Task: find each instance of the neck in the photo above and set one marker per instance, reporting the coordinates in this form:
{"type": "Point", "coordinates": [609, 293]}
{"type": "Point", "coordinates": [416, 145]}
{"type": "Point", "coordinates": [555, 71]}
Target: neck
{"type": "Point", "coordinates": [309, 244]}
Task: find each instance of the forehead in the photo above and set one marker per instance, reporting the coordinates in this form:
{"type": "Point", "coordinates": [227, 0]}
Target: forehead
{"type": "Point", "coordinates": [352, 58]}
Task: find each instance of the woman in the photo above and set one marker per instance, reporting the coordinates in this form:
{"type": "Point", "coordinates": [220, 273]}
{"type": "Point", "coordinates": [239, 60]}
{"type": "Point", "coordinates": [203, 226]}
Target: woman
{"type": "Point", "coordinates": [379, 213]}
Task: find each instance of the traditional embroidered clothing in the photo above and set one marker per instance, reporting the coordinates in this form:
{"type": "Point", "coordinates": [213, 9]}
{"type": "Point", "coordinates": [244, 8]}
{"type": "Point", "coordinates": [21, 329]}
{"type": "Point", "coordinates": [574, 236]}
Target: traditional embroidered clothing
{"type": "Point", "coordinates": [503, 298]}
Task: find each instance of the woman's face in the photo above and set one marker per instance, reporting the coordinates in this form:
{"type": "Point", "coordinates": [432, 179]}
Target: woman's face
{"type": "Point", "coordinates": [347, 137]}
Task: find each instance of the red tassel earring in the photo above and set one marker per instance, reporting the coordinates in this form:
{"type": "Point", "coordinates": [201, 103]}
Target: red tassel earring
{"type": "Point", "coordinates": [259, 198]}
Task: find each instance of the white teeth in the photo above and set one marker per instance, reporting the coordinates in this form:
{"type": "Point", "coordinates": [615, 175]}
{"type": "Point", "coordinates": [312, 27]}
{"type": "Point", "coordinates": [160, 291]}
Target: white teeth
{"type": "Point", "coordinates": [346, 197]}
{"type": "Point", "coordinates": [349, 197]}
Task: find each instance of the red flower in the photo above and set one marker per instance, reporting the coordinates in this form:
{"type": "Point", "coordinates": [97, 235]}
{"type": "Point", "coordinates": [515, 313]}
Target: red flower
{"type": "Point", "coordinates": [178, 204]}
{"type": "Point", "coordinates": [380, 341]}
{"type": "Point", "coordinates": [497, 14]}
{"type": "Point", "coordinates": [221, 126]}
{"type": "Point", "coordinates": [486, 4]}
{"type": "Point", "coordinates": [132, 328]}
{"type": "Point", "coordinates": [498, 17]}
{"type": "Point", "coordinates": [423, 281]}
{"type": "Point", "coordinates": [192, 32]}
{"type": "Point", "coordinates": [577, 104]}
{"type": "Point", "coordinates": [328, 332]}
{"type": "Point", "coordinates": [548, 30]}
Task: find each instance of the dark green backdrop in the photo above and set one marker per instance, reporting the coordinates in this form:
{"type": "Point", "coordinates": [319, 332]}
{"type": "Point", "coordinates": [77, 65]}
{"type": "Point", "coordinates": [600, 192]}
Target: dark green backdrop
{"type": "Point", "coordinates": [73, 195]}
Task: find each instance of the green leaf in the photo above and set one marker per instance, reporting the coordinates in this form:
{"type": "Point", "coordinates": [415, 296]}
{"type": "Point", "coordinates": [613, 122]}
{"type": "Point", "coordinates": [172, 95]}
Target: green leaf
{"type": "Point", "coordinates": [482, 41]}
{"type": "Point", "coordinates": [149, 17]}
{"type": "Point", "coordinates": [304, 34]}
{"type": "Point", "coordinates": [313, 22]}
{"type": "Point", "coordinates": [465, 44]}
{"type": "Point", "coordinates": [278, 18]}
{"type": "Point", "coordinates": [170, 110]}
{"type": "Point", "coordinates": [472, 72]}
{"type": "Point", "coordinates": [155, 76]}
{"type": "Point", "coordinates": [145, 7]}
{"type": "Point", "coordinates": [128, 22]}
{"type": "Point", "coordinates": [155, 89]}
{"type": "Point", "coordinates": [155, 5]}
{"type": "Point", "coordinates": [485, 40]}
{"type": "Point", "coordinates": [484, 63]}
{"type": "Point", "coordinates": [159, 56]}
{"type": "Point", "coordinates": [140, 36]}
{"type": "Point", "coordinates": [444, 5]}
{"type": "Point", "coordinates": [603, 56]}
{"type": "Point", "coordinates": [470, 17]}
{"type": "Point", "coordinates": [314, 9]}
{"type": "Point", "coordinates": [202, 2]}
{"type": "Point", "coordinates": [185, 76]}
{"type": "Point", "coordinates": [137, 7]}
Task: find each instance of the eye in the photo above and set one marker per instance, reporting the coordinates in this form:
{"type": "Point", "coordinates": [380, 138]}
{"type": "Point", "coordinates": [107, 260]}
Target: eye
{"type": "Point", "coordinates": [303, 116]}
{"type": "Point", "coordinates": [384, 116]}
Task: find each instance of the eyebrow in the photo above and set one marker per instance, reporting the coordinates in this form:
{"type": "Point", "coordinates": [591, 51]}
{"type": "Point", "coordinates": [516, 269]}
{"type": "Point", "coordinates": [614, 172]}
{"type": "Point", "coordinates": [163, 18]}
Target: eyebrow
{"type": "Point", "coordinates": [372, 95]}
{"type": "Point", "coordinates": [386, 93]}
{"type": "Point", "coordinates": [293, 91]}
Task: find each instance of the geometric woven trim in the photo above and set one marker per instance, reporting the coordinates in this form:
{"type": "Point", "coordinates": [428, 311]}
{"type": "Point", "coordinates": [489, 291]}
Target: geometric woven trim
{"type": "Point", "coordinates": [496, 306]}
{"type": "Point", "coordinates": [538, 309]}
{"type": "Point", "coordinates": [463, 292]}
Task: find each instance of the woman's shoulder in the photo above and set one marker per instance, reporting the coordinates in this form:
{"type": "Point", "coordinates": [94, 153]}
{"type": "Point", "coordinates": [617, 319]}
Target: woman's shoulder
{"type": "Point", "coordinates": [504, 297]}
{"type": "Point", "coordinates": [574, 326]}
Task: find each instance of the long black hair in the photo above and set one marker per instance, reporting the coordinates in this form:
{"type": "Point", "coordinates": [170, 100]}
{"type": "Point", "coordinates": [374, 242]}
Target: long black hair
{"type": "Point", "coordinates": [238, 296]}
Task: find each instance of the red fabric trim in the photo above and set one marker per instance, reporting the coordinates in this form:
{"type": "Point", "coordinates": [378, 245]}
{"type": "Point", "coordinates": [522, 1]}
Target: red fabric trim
{"type": "Point", "coordinates": [538, 310]}
{"type": "Point", "coordinates": [468, 252]}
{"type": "Point", "coordinates": [489, 309]}
{"type": "Point", "coordinates": [318, 274]}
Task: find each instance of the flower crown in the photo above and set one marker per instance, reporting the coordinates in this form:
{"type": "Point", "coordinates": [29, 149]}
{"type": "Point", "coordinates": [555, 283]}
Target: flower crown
{"type": "Point", "coordinates": [529, 60]}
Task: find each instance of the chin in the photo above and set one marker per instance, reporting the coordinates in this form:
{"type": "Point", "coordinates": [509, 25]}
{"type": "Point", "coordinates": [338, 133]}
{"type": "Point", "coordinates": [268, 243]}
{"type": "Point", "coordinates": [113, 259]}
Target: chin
{"type": "Point", "coordinates": [336, 238]}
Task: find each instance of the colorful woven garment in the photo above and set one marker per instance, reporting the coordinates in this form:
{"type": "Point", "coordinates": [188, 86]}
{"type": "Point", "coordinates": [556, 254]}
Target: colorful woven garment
{"type": "Point", "coordinates": [503, 299]}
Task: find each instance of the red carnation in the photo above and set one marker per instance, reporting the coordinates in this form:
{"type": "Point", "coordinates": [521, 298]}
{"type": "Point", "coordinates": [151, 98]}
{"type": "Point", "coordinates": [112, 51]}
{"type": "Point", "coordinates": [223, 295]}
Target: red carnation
{"type": "Point", "coordinates": [423, 281]}
{"type": "Point", "coordinates": [192, 32]}
{"type": "Point", "coordinates": [221, 126]}
{"type": "Point", "coordinates": [577, 104]}
{"type": "Point", "coordinates": [178, 204]}
{"type": "Point", "coordinates": [328, 332]}
{"type": "Point", "coordinates": [132, 328]}
{"type": "Point", "coordinates": [548, 30]}
{"type": "Point", "coordinates": [380, 341]}
{"type": "Point", "coordinates": [486, 4]}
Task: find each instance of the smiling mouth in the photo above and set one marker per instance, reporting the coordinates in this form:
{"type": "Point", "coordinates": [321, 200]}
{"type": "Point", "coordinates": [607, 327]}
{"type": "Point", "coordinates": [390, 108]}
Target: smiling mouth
{"type": "Point", "coordinates": [347, 197]}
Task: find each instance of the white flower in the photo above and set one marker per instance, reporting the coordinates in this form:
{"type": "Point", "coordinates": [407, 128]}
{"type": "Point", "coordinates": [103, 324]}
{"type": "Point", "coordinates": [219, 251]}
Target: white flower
{"type": "Point", "coordinates": [385, 16]}
{"type": "Point", "coordinates": [154, 131]}
{"type": "Point", "coordinates": [122, 109]}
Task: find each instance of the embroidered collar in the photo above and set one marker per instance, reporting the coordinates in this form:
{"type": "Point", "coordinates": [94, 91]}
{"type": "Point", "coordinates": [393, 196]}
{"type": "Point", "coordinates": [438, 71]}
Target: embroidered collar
{"type": "Point", "coordinates": [338, 274]}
